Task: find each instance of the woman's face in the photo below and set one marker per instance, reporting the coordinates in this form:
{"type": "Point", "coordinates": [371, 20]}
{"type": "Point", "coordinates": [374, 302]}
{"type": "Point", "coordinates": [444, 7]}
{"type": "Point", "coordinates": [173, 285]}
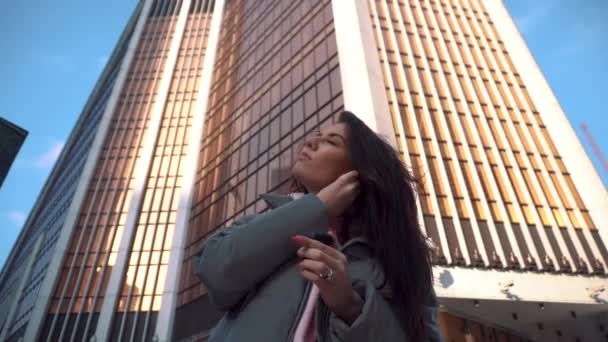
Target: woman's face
{"type": "Point", "coordinates": [323, 158]}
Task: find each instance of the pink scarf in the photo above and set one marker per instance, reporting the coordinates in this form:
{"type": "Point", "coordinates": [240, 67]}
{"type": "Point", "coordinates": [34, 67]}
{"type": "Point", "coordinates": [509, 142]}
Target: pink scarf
{"type": "Point", "coordinates": [306, 331]}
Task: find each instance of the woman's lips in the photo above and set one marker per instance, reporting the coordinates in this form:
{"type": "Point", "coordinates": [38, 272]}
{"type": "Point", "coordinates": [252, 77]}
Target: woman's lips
{"type": "Point", "coordinates": [303, 155]}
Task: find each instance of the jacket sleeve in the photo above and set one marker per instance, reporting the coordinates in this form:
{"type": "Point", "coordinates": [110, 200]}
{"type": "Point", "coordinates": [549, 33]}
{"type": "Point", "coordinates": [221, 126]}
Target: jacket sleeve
{"type": "Point", "coordinates": [236, 259]}
{"type": "Point", "coordinates": [378, 322]}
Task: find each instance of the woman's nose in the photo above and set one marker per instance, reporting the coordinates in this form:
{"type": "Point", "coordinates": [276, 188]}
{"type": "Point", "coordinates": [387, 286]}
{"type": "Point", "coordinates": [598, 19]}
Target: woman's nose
{"type": "Point", "coordinates": [312, 143]}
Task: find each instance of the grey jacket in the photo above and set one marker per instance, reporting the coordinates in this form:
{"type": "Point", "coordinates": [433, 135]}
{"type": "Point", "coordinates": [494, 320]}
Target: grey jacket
{"type": "Point", "coordinates": [250, 271]}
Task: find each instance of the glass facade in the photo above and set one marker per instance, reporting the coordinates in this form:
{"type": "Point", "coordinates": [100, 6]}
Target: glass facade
{"type": "Point", "coordinates": [496, 192]}
{"type": "Point", "coordinates": [275, 78]}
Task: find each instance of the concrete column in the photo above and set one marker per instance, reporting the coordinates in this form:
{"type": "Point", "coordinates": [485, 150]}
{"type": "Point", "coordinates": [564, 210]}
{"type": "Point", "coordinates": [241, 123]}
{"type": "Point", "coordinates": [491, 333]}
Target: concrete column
{"type": "Point", "coordinates": [360, 70]}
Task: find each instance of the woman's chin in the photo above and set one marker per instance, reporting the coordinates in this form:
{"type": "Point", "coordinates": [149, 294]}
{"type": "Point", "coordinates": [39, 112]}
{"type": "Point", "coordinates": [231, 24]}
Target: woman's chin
{"type": "Point", "coordinates": [302, 175]}
{"type": "Point", "coordinates": [299, 171]}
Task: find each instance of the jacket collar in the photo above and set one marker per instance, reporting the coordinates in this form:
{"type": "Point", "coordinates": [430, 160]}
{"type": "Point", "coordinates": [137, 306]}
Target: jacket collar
{"type": "Point", "coordinates": [276, 200]}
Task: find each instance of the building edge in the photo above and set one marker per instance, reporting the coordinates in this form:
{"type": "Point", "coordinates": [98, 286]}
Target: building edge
{"type": "Point", "coordinates": [360, 70]}
{"type": "Point", "coordinates": [43, 300]}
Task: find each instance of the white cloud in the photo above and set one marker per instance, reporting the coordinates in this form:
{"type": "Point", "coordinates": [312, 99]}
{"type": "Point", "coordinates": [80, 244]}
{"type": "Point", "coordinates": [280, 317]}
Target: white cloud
{"type": "Point", "coordinates": [16, 217]}
{"type": "Point", "coordinates": [48, 158]}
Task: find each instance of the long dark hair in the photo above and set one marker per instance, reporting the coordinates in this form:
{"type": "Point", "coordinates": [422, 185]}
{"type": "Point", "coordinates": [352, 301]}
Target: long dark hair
{"type": "Point", "coordinates": [386, 213]}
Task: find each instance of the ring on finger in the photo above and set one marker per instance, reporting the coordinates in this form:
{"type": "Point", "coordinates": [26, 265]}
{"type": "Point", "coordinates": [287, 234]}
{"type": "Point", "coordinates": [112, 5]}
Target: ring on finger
{"type": "Point", "coordinates": [327, 276]}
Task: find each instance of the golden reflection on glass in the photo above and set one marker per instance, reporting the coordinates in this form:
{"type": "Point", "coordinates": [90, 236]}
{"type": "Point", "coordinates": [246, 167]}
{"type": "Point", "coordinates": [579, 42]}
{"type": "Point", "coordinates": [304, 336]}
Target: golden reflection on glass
{"type": "Point", "coordinates": [479, 211]}
{"type": "Point", "coordinates": [162, 276]}
{"type": "Point", "coordinates": [558, 218]}
{"type": "Point", "coordinates": [574, 192]}
{"type": "Point", "coordinates": [445, 208]}
{"type": "Point", "coordinates": [157, 300]}
{"type": "Point", "coordinates": [495, 212]}
{"type": "Point", "coordinates": [527, 214]}
{"type": "Point", "coordinates": [546, 190]}
{"type": "Point", "coordinates": [469, 181]}
{"type": "Point", "coordinates": [146, 303]}
{"type": "Point", "coordinates": [543, 216]}
{"type": "Point", "coordinates": [151, 280]}
{"type": "Point", "coordinates": [588, 220]}
{"type": "Point", "coordinates": [573, 219]}
{"type": "Point", "coordinates": [560, 190]}
{"type": "Point", "coordinates": [134, 304]}
{"type": "Point", "coordinates": [462, 209]}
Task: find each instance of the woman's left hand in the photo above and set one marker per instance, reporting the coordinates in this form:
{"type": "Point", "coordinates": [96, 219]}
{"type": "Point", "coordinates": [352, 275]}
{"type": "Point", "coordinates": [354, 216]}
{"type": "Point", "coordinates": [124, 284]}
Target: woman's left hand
{"type": "Point", "coordinates": [325, 266]}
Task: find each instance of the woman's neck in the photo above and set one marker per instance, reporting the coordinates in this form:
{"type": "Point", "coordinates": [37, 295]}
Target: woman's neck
{"type": "Point", "coordinates": [345, 229]}
{"type": "Point", "coordinates": [335, 223]}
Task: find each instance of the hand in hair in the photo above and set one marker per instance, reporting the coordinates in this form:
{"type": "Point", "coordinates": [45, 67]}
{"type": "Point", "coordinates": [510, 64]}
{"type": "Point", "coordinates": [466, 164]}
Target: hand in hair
{"type": "Point", "coordinates": [340, 194]}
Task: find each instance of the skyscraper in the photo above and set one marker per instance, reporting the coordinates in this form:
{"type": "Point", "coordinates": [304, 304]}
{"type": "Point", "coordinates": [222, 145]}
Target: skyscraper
{"type": "Point", "coordinates": [200, 109]}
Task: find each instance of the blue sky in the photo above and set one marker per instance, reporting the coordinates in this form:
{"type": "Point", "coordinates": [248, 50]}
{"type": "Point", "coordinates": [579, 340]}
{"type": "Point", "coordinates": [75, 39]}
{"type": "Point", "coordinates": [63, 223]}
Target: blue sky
{"type": "Point", "coordinates": [53, 52]}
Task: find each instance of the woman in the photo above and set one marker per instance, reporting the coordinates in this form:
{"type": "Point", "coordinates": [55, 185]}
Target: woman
{"type": "Point", "coordinates": [374, 283]}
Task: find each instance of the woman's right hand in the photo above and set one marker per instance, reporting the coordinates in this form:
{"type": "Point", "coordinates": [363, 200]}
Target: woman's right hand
{"type": "Point", "coordinates": [340, 194]}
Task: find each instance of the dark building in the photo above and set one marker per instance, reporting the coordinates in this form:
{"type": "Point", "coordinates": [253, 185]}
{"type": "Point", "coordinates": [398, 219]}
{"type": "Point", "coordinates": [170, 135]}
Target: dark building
{"type": "Point", "coordinates": [11, 139]}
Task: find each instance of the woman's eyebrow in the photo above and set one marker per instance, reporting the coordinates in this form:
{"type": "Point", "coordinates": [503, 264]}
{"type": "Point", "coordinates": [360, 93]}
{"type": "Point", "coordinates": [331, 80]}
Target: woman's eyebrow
{"type": "Point", "coordinates": [318, 132]}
